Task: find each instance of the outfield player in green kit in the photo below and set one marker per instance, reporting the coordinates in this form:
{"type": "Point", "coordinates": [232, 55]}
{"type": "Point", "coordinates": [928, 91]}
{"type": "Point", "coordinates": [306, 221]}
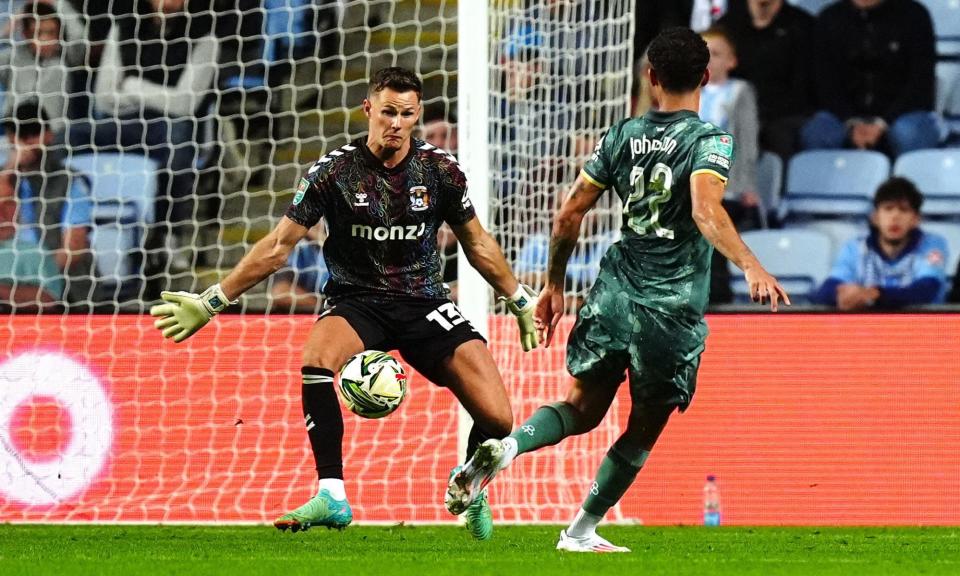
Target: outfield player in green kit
{"type": "Point", "coordinates": [645, 314]}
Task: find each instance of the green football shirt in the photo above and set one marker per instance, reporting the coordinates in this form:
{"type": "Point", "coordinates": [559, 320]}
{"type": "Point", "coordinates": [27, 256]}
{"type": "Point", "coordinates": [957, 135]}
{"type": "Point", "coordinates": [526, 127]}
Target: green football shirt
{"type": "Point", "coordinates": [661, 261]}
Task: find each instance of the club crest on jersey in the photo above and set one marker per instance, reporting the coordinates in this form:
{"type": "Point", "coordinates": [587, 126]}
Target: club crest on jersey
{"type": "Point", "coordinates": [301, 191]}
{"type": "Point", "coordinates": [419, 198]}
{"type": "Point", "coordinates": [360, 199]}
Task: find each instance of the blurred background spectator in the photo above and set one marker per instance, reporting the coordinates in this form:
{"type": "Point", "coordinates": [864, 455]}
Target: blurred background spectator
{"type": "Point", "coordinates": [896, 265]}
{"type": "Point", "coordinates": [874, 63]}
{"type": "Point", "coordinates": [298, 287]}
{"type": "Point", "coordinates": [442, 132]}
{"type": "Point", "coordinates": [155, 73]}
{"type": "Point", "coordinates": [29, 278]}
{"type": "Point", "coordinates": [730, 104]}
{"type": "Point", "coordinates": [48, 42]}
{"type": "Point", "coordinates": [54, 207]}
{"type": "Point", "coordinates": [773, 54]}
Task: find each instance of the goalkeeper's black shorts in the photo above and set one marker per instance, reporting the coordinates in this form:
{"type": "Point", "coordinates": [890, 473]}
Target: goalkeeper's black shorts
{"type": "Point", "coordinates": [424, 331]}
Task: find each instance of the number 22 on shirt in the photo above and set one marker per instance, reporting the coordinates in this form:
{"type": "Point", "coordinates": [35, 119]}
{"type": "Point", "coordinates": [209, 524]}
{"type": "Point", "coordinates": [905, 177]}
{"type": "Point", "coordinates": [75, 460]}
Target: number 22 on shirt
{"type": "Point", "coordinates": [643, 221]}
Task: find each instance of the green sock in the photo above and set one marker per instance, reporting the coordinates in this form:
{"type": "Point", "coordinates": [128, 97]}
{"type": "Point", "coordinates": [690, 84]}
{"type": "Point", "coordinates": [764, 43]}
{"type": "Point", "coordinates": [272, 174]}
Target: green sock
{"type": "Point", "coordinates": [617, 472]}
{"type": "Point", "coordinates": [547, 426]}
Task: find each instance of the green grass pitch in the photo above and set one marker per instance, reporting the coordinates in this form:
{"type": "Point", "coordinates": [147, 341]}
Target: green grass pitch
{"type": "Point", "coordinates": [429, 550]}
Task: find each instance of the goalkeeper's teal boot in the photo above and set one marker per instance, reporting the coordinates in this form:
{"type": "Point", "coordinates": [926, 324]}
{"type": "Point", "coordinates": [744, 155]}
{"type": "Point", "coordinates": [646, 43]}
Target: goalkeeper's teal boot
{"type": "Point", "coordinates": [321, 510]}
{"type": "Point", "coordinates": [479, 519]}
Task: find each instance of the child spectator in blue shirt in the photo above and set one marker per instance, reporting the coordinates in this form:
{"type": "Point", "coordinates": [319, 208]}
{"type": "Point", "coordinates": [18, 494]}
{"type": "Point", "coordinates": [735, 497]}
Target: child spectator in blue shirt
{"type": "Point", "coordinates": [896, 265]}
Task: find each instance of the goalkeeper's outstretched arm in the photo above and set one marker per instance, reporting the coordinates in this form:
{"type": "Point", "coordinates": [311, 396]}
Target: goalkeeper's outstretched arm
{"type": "Point", "coordinates": [183, 313]}
{"type": "Point", "coordinates": [266, 257]}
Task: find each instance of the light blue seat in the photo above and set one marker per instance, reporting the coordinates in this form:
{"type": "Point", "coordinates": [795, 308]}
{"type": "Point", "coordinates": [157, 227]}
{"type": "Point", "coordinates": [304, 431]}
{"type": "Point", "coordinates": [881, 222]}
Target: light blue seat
{"type": "Point", "coordinates": [799, 258]}
{"type": "Point", "coordinates": [937, 174]}
{"type": "Point", "coordinates": [812, 6]}
{"type": "Point", "coordinates": [948, 87]}
{"type": "Point", "coordinates": [769, 182]}
{"type": "Point", "coordinates": [832, 183]}
{"type": "Point", "coordinates": [839, 231]}
{"type": "Point", "coordinates": [123, 189]}
{"type": "Point", "coordinates": [946, 25]}
{"type": "Point", "coordinates": [951, 233]}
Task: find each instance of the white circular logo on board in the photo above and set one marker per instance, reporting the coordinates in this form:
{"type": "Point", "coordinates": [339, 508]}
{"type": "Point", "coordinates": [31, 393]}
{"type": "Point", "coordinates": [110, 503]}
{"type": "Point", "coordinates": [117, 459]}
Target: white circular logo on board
{"type": "Point", "coordinates": [48, 375]}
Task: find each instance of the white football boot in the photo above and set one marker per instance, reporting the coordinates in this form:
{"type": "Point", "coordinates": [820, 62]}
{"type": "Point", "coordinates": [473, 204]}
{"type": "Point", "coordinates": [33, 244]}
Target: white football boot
{"type": "Point", "coordinates": [591, 543]}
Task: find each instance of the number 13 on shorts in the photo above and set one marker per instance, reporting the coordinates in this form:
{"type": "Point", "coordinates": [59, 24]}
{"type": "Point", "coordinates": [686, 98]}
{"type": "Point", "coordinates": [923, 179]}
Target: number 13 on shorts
{"type": "Point", "coordinates": [447, 315]}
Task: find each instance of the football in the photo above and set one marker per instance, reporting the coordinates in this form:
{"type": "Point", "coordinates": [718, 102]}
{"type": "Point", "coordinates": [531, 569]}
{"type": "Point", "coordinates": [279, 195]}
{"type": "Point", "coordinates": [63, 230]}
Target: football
{"type": "Point", "coordinates": [372, 384]}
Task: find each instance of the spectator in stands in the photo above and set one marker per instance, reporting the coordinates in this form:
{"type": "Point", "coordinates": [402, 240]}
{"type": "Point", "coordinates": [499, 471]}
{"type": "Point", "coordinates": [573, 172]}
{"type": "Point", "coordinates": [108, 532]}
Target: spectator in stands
{"type": "Point", "coordinates": [157, 67]}
{"type": "Point", "coordinates": [28, 276]}
{"type": "Point", "coordinates": [874, 62]}
{"type": "Point", "coordinates": [442, 133]}
{"type": "Point", "coordinates": [298, 287]}
{"type": "Point", "coordinates": [730, 104]}
{"type": "Point", "coordinates": [773, 54]}
{"type": "Point", "coordinates": [48, 41]}
{"type": "Point", "coordinates": [55, 209]}
{"type": "Point", "coordinates": [896, 265]}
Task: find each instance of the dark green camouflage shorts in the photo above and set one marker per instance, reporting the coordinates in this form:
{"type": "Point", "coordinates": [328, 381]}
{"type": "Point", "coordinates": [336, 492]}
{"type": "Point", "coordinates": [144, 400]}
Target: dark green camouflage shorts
{"type": "Point", "coordinates": [659, 352]}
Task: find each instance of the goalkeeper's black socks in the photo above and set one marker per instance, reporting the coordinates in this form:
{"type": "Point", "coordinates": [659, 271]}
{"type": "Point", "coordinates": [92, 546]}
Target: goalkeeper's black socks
{"type": "Point", "coordinates": [475, 439]}
{"type": "Point", "coordinates": [324, 422]}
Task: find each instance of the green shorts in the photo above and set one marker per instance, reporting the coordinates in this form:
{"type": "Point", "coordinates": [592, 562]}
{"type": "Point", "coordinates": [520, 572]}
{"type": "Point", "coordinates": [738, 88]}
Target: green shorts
{"type": "Point", "coordinates": [659, 352]}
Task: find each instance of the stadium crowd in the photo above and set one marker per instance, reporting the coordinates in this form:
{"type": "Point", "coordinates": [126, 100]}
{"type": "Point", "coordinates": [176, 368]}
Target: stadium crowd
{"type": "Point", "coordinates": [852, 84]}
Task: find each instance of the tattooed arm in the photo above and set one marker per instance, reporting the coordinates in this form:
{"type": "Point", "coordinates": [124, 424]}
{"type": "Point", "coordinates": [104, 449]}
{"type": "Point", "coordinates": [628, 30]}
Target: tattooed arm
{"type": "Point", "coordinates": [582, 197]}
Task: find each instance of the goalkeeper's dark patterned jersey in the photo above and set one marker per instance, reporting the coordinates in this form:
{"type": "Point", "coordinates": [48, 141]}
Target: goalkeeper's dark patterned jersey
{"type": "Point", "coordinates": [382, 222]}
{"type": "Point", "coordinates": [661, 261]}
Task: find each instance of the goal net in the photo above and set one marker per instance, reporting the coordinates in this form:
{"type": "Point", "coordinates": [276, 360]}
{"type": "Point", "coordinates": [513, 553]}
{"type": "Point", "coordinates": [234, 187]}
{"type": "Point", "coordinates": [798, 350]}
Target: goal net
{"type": "Point", "coordinates": [560, 75]}
{"type": "Point", "coordinates": [147, 152]}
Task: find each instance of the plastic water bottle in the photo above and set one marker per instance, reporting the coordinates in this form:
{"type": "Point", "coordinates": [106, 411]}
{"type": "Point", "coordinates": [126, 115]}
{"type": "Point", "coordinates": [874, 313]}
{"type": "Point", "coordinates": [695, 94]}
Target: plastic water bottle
{"type": "Point", "coordinates": [711, 502]}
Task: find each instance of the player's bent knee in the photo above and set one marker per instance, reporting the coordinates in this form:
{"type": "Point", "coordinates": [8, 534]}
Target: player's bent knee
{"type": "Point", "coordinates": [496, 424]}
{"type": "Point", "coordinates": [500, 426]}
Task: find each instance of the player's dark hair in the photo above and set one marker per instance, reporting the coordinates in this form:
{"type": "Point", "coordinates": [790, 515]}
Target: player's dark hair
{"type": "Point", "coordinates": [897, 189]}
{"type": "Point", "coordinates": [395, 78]}
{"type": "Point", "coordinates": [27, 120]}
{"type": "Point", "coordinates": [679, 56]}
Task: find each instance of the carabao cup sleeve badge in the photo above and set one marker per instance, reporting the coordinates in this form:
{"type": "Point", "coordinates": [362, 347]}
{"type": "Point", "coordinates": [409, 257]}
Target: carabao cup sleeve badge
{"type": "Point", "coordinates": [301, 191]}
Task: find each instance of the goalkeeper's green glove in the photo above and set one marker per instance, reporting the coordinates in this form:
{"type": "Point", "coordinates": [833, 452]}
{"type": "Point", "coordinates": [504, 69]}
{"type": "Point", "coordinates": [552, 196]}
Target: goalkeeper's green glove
{"type": "Point", "coordinates": [185, 313]}
{"type": "Point", "coordinates": [522, 304]}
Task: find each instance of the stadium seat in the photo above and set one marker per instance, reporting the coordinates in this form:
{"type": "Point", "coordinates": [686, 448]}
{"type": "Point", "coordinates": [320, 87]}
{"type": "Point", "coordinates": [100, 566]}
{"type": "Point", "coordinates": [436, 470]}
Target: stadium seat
{"type": "Point", "coordinates": [812, 6]}
{"type": "Point", "coordinates": [937, 174]}
{"type": "Point", "coordinates": [832, 183]}
{"type": "Point", "coordinates": [124, 188]}
{"type": "Point", "coordinates": [948, 97]}
{"type": "Point", "coordinates": [946, 25]}
{"type": "Point", "coordinates": [948, 74]}
{"type": "Point", "coordinates": [769, 182]}
{"type": "Point", "coordinates": [951, 233]}
{"type": "Point", "coordinates": [800, 259]}
{"type": "Point", "coordinates": [839, 232]}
